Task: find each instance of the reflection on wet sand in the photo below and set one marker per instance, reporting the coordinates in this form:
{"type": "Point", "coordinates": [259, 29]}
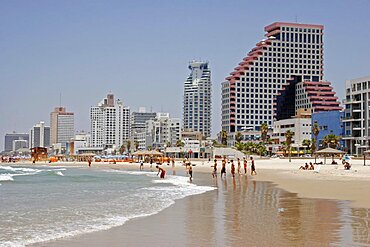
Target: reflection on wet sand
{"type": "Point", "coordinates": [258, 213]}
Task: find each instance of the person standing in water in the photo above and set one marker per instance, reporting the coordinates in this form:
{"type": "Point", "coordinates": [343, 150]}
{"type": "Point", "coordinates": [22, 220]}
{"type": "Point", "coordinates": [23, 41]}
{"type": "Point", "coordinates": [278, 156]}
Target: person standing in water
{"type": "Point", "coordinates": [223, 168]}
{"type": "Point", "coordinates": [253, 168]}
{"type": "Point", "coordinates": [239, 167]}
{"type": "Point", "coordinates": [214, 172]}
{"type": "Point", "coordinates": [162, 171]}
{"type": "Point", "coordinates": [245, 165]}
{"type": "Point", "coordinates": [141, 165]}
{"type": "Point", "coordinates": [232, 168]}
{"type": "Point", "coordinates": [191, 173]}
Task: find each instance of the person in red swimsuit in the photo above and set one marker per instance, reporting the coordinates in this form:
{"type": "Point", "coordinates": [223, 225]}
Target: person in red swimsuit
{"type": "Point", "coordinates": [162, 171]}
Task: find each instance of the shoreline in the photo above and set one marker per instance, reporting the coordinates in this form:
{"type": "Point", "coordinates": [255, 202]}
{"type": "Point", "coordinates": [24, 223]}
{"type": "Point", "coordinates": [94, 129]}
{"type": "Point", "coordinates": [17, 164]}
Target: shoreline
{"type": "Point", "coordinates": [331, 182]}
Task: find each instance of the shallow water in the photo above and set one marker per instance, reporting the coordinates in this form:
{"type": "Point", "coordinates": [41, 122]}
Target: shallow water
{"type": "Point", "coordinates": [43, 203]}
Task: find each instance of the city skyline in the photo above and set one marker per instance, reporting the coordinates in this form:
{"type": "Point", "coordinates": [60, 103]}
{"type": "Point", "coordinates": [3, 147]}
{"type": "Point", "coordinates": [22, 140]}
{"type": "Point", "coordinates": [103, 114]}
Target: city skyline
{"type": "Point", "coordinates": [84, 56]}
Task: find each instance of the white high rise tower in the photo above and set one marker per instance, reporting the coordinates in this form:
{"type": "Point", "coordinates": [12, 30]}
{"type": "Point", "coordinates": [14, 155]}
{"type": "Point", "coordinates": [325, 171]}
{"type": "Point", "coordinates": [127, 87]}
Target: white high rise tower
{"type": "Point", "coordinates": [197, 99]}
{"type": "Point", "coordinates": [110, 123]}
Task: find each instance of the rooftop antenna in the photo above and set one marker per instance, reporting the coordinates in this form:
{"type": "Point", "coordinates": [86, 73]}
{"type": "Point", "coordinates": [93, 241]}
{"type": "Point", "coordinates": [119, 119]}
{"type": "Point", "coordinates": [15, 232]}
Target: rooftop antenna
{"type": "Point", "coordinates": [60, 99]}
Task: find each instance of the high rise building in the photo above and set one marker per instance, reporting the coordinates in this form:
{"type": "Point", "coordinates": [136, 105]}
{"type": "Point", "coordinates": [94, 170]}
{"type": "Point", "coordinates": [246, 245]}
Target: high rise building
{"type": "Point", "coordinates": [61, 126]}
{"type": "Point", "coordinates": [11, 137]}
{"type": "Point", "coordinates": [197, 99]}
{"type": "Point", "coordinates": [356, 119]}
{"type": "Point", "coordinates": [39, 136]}
{"type": "Point", "coordinates": [283, 64]}
{"type": "Point", "coordinates": [162, 131]}
{"type": "Point", "coordinates": [138, 122]}
{"type": "Point", "coordinates": [110, 123]}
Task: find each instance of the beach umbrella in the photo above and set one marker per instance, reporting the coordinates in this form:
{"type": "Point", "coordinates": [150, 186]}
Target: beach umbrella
{"type": "Point", "coordinates": [329, 151]}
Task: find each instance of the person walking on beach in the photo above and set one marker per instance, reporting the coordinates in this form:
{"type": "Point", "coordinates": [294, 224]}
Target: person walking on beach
{"type": "Point", "coordinates": [239, 167]}
{"type": "Point", "coordinates": [214, 172]}
{"type": "Point", "coordinates": [89, 162]}
{"type": "Point", "coordinates": [151, 162]}
{"type": "Point", "coordinates": [191, 173]}
{"type": "Point", "coordinates": [162, 171]}
{"type": "Point", "coordinates": [232, 168]}
{"type": "Point", "coordinates": [245, 165]}
{"type": "Point", "coordinates": [253, 168]}
{"type": "Point", "coordinates": [223, 168]}
{"type": "Point", "coordinates": [141, 165]}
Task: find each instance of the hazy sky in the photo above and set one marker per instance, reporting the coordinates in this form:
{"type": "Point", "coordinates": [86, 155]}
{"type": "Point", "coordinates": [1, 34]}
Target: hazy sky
{"type": "Point", "coordinates": [139, 50]}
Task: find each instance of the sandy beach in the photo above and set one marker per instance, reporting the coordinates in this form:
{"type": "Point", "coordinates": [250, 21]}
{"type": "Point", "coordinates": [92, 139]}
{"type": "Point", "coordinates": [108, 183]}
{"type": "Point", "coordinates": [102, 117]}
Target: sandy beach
{"type": "Point", "coordinates": [287, 202]}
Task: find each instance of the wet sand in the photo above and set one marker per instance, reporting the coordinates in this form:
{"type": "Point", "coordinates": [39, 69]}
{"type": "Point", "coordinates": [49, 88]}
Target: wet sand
{"type": "Point", "coordinates": [241, 212]}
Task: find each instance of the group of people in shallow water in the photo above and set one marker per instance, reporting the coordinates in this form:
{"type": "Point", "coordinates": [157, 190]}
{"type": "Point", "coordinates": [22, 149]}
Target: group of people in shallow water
{"type": "Point", "coordinates": [232, 167]}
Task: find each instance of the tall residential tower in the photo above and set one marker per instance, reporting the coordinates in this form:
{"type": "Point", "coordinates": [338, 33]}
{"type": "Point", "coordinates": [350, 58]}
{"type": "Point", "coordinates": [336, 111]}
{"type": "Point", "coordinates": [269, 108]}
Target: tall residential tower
{"type": "Point", "coordinates": [197, 99]}
{"type": "Point", "coordinates": [110, 123]}
{"type": "Point", "coordinates": [288, 63]}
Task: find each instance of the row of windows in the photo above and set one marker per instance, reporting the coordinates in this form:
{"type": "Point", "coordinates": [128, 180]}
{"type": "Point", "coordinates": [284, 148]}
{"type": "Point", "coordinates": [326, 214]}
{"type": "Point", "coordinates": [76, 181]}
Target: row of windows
{"type": "Point", "coordinates": [298, 29]}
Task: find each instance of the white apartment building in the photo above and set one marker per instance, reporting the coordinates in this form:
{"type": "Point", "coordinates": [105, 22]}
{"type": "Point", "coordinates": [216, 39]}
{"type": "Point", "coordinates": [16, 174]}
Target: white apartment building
{"type": "Point", "coordinates": [357, 115]}
{"type": "Point", "coordinates": [198, 99]}
{"type": "Point", "coordinates": [301, 127]}
{"type": "Point", "coordinates": [162, 130]}
{"type": "Point", "coordinates": [110, 123]}
{"type": "Point", "coordinates": [289, 51]}
{"type": "Point", "coordinates": [39, 136]}
{"type": "Point", "coordinates": [61, 126]}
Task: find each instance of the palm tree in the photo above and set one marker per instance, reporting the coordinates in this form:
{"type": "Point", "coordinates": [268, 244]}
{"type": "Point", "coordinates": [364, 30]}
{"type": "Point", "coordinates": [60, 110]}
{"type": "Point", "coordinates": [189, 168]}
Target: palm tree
{"type": "Point", "coordinates": [306, 143]}
{"type": "Point", "coordinates": [313, 145]}
{"type": "Point", "coordinates": [264, 129]}
{"type": "Point", "coordinates": [238, 137]}
{"type": "Point", "coordinates": [240, 146]}
{"type": "Point", "coordinates": [223, 135]}
{"type": "Point", "coordinates": [122, 149]}
{"type": "Point", "coordinates": [168, 144]}
{"type": "Point", "coordinates": [315, 132]}
{"type": "Point", "coordinates": [331, 140]}
{"type": "Point", "coordinates": [288, 137]}
{"type": "Point", "coordinates": [180, 143]}
{"type": "Point", "coordinates": [137, 144]}
{"type": "Point", "coordinates": [128, 144]}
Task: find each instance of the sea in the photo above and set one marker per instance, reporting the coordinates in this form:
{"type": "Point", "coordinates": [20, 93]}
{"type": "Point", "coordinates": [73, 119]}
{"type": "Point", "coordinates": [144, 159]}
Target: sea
{"type": "Point", "coordinates": [44, 203]}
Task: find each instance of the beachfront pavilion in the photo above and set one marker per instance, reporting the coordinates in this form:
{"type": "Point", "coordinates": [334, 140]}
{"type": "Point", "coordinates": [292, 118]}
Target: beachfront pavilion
{"type": "Point", "coordinates": [328, 152]}
{"type": "Point", "coordinates": [148, 154]}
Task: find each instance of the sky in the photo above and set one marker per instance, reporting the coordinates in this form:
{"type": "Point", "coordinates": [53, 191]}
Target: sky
{"type": "Point", "coordinates": [140, 50]}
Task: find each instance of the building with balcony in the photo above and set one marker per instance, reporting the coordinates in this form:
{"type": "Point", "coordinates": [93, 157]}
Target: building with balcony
{"type": "Point", "coordinates": [110, 123]}
{"type": "Point", "coordinates": [162, 131]}
{"type": "Point", "coordinates": [282, 73]}
{"type": "Point", "coordinates": [198, 99]}
{"type": "Point", "coordinates": [357, 115]}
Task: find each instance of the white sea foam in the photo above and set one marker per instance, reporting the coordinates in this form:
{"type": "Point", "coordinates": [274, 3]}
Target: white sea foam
{"type": "Point", "coordinates": [59, 173]}
{"type": "Point", "coordinates": [6, 177]}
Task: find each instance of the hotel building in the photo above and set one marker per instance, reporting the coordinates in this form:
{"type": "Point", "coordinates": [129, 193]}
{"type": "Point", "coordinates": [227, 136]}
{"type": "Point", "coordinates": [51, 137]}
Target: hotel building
{"type": "Point", "coordinates": [10, 138]}
{"type": "Point", "coordinates": [197, 99]}
{"type": "Point", "coordinates": [357, 115]}
{"type": "Point", "coordinates": [110, 123]}
{"type": "Point", "coordinates": [277, 77]}
{"type": "Point", "coordinates": [138, 123]}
